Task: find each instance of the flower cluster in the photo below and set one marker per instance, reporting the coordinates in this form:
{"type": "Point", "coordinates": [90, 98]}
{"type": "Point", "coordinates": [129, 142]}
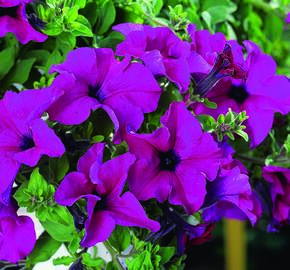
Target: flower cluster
{"type": "Point", "coordinates": [179, 165]}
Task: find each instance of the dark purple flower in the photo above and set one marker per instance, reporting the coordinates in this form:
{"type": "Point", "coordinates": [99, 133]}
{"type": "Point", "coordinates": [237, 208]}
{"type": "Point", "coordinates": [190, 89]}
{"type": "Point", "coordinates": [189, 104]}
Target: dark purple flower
{"type": "Point", "coordinates": [287, 19]}
{"type": "Point", "coordinates": [261, 95]}
{"type": "Point", "coordinates": [279, 188]}
{"type": "Point", "coordinates": [93, 78]}
{"type": "Point", "coordinates": [13, 19]}
{"type": "Point", "coordinates": [174, 161]}
{"type": "Point", "coordinates": [17, 234]}
{"type": "Point", "coordinates": [229, 195]}
{"type": "Point", "coordinates": [24, 136]}
{"type": "Point", "coordinates": [186, 233]}
{"type": "Point", "coordinates": [160, 49]}
{"type": "Point", "coordinates": [102, 184]}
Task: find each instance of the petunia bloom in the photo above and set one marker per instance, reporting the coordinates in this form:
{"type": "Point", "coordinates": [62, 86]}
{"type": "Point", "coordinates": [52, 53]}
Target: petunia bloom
{"type": "Point", "coordinates": [279, 190]}
{"type": "Point", "coordinates": [13, 19]}
{"type": "Point", "coordinates": [93, 78]}
{"type": "Point", "coordinates": [229, 195]}
{"type": "Point", "coordinates": [261, 95]}
{"type": "Point", "coordinates": [17, 234]}
{"type": "Point", "coordinates": [101, 184]}
{"type": "Point", "coordinates": [24, 136]}
{"type": "Point", "coordinates": [174, 161]}
{"type": "Point", "coordinates": [160, 49]}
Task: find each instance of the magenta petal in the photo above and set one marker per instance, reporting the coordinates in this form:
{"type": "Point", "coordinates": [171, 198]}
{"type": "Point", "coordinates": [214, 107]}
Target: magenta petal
{"type": "Point", "coordinates": [147, 146]}
{"type": "Point", "coordinates": [112, 175]}
{"type": "Point", "coordinates": [98, 229]}
{"type": "Point", "coordinates": [30, 104]}
{"type": "Point", "coordinates": [87, 63]}
{"type": "Point", "coordinates": [75, 106]}
{"type": "Point", "coordinates": [17, 238]}
{"type": "Point", "coordinates": [8, 171]}
{"type": "Point", "coordinates": [46, 143]}
{"type": "Point", "coordinates": [127, 211]}
{"type": "Point", "coordinates": [93, 155]}
{"type": "Point", "coordinates": [74, 186]}
{"type": "Point", "coordinates": [188, 188]}
{"type": "Point", "coordinates": [183, 127]}
{"type": "Point", "coordinates": [147, 181]}
{"type": "Point", "coordinates": [259, 123]}
{"type": "Point", "coordinates": [154, 61]}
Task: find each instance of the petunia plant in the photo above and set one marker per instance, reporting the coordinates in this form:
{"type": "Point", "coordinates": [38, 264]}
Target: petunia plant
{"type": "Point", "coordinates": [134, 128]}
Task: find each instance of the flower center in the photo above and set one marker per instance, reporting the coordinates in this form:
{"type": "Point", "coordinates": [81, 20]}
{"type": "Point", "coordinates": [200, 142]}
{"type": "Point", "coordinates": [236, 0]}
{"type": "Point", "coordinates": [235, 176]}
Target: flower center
{"type": "Point", "coordinates": [238, 93]}
{"type": "Point", "coordinates": [168, 160]}
{"type": "Point", "coordinates": [9, 11]}
{"type": "Point", "coordinates": [96, 92]}
{"type": "Point", "coordinates": [100, 205]}
{"type": "Point", "coordinates": [26, 143]}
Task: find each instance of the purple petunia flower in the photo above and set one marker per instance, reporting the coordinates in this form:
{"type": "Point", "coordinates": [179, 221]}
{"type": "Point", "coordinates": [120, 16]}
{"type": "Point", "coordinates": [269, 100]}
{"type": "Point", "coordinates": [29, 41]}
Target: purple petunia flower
{"type": "Point", "coordinates": [13, 19]}
{"type": "Point", "coordinates": [102, 184]}
{"type": "Point", "coordinates": [24, 136]}
{"type": "Point", "coordinates": [17, 234]}
{"type": "Point", "coordinates": [261, 95]}
{"type": "Point", "coordinates": [279, 188]}
{"type": "Point", "coordinates": [174, 161]}
{"type": "Point", "coordinates": [93, 78]}
{"type": "Point", "coordinates": [160, 49]}
{"type": "Point", "coordinates": [229, 195]}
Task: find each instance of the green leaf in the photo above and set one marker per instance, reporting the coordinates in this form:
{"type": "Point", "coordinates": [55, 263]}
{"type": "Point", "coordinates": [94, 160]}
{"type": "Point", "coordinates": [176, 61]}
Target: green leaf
{"type": "Point", "coordinates": [156, 6]}
{"type": "Point", "coordinates": [37, 185]}
{"type": "Point", "coordinates": [70, 13]}
{"type": "Point", "coordinates": [54, 58]}
{"type": "Point", "coordinates": [7, 61]}
{"type": "Point", "coordinates": [80, 3]}
{"type": "Point", "coordinates": [19, 73]}
{"type": "Point", "coordinates": [59, 224]}
{"type": "Point", "coordinates": [65, 42]}
{"type": "Point", "coordinates": [66, 260]}
{"type": "Point", "coordinates": [165, 253]}
{"type": "Point", "coordinates": [141, 262]}
{"type": "Point", "coordinates": [112, 266]}
{"type": "Point", "coordinates": [44, 249]}
{"type": "Point", "coordinates": [81, 27]}
{"type": "Point", "coordinates": [120, 238]}
{"type": "Point", "coordinates": [273, 27]}
{"type": "Point", "coordinates": [52, 29]}
{"type": "Point", "coordinates": [106, 17]}
{"type": "Point", "coordinates": [23, 198]}
{"type": "Point", "coordinates": [59, 167]}
{"type": "Point", "coordinates": [87, 260]}
{"type": "Point", "coordinates": [243, 134]}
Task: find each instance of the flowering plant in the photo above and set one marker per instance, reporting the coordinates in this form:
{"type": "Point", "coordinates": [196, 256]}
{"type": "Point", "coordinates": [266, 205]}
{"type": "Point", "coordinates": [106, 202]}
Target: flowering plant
{"type": "Point", "coordinates": [139, 126]}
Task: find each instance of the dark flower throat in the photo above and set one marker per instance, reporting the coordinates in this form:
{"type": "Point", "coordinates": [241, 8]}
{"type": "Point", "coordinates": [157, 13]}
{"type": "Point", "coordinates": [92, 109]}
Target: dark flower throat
{"type": "Point", "coordinates": [9, 11]}
{"type": "Point", "coordinates": [26, 143]}
{"type": "Point", "coordinates": [168, 160]}
{"type": "Point", "coordinates": [96, 92]}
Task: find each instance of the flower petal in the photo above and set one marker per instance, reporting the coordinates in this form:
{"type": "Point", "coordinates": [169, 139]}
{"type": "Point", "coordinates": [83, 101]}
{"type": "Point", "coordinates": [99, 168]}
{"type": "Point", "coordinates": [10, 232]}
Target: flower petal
{"type": "Point", "coordinates": [93, 155]}
{"type": "Point", "coordinates": [74, 186]}
{"type": "Point", "coordinates": [127, 211]}
{"type": "Point", "coordinates": [98, 229]}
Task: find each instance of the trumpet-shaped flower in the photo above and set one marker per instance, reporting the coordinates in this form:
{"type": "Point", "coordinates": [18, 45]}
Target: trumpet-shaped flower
{"type": "Point", "coordinates": [102, 184]}
{"type": "Point", "coordinates": [160, 49]}
{"type": "Point", "coordinates": [174, 161]}
{"type": "Point", "coordinates": [24, 136]}
{"type": "Point", "coordinates": [93, 78]}
{"type": "Point", "coordinates": [261, 94]}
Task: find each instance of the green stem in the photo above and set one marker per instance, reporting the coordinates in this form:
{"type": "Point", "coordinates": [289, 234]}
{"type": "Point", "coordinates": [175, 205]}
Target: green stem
{"type": "Point", "coordinates": [258, 161]}
{"type": "Point", "coordinates": [114, 255]}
